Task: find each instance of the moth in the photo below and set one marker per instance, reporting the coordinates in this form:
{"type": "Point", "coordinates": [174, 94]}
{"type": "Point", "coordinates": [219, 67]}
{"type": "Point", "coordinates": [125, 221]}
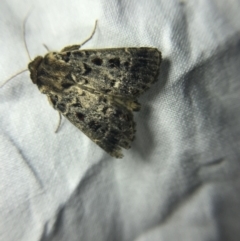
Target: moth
{"type": "Point", "coordinates": [97, 89]}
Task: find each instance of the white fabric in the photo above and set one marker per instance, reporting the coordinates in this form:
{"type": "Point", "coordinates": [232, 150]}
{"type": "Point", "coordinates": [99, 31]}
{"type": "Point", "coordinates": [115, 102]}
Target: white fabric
{"type": "Point", "coordinates": [180, 179]}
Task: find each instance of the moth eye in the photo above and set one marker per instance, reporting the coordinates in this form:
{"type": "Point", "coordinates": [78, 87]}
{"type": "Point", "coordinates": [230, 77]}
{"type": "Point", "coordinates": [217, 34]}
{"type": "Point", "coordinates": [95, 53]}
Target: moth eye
{"type": "Point", "coordinates": [97, 61]}
{"type": "Point", "coordinates": [115, 62]}
{"type": "Point", "coordinates": [65, 58]}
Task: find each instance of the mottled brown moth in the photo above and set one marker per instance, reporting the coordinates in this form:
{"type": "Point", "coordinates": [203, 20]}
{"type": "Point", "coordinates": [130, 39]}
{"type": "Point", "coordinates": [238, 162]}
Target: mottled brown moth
{"type": "Point", "coordinates": [97, 89]}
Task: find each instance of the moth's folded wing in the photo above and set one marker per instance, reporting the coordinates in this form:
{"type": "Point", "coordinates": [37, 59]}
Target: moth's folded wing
{"type": "Point", "coordinates": [105, 122]}
{"type": "Point", "coordinates": [119, 71]}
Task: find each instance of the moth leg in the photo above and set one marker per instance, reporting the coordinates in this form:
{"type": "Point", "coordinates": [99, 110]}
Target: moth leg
{"type": "Point", "coordinates": [59, 122]}
{"type": "Point", "coordinates": [78, 46]}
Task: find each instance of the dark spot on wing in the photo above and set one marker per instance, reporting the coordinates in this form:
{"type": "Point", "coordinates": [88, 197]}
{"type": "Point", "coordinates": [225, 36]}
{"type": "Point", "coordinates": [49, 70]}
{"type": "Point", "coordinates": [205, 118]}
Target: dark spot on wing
{"type": "Point", "coordinates": [104, 100]}
{"type": "Point", "coordinates": [112, 139]}
{"type": "Point", "coordinates": [87, 68]}
{"type": "Point", "coordinates": [126, 64]}
{"type": "Point", "coordinates": [80, 116]}
{"type": "Point", "coordinates": [112, 83]}
{"type": "Point", "coordinates": [97, 61]}
{"type": "Point", "coordinates": [67, 85]}
{"type": "Point", "coordinates": [94, 125]}
{"type": "Point", "coordinates": [115, 62]}
{"type": "Point", "coordinates": [105, 110]}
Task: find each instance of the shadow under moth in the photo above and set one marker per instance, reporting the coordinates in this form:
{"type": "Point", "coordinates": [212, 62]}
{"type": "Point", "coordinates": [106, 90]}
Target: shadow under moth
{"type": "Point", "coordinates": [97, 89]}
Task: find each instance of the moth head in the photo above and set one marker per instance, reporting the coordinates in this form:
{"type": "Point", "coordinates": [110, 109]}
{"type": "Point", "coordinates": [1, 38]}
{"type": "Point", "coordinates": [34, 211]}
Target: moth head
{"type": "Point", "coordinates": [33, 68]}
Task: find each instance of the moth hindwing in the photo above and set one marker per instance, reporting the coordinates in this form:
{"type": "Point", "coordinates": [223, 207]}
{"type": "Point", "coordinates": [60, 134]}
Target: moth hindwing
{"type": "Point", "coordinates": [97, 89]}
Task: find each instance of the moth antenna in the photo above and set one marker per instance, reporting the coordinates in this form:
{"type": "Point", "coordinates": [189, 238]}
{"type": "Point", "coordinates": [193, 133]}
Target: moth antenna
{"type": "Point", "coordinates": [24, 34]}
{"type": "Point", "coordinates": [59, 122]}
{"type": "Point", "coordinates": [46, 47]}
{"type": "Point", "coordinates": [22, 71]}
{"type": "Point", "coordinates": [25, 44]}
{"type": "Point", "coordinates": [93, 32]}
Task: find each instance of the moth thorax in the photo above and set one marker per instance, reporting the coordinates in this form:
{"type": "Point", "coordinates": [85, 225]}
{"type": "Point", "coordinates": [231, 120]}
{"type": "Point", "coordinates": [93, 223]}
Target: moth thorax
{"type": "Point", "coordinates": [33, 67]}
